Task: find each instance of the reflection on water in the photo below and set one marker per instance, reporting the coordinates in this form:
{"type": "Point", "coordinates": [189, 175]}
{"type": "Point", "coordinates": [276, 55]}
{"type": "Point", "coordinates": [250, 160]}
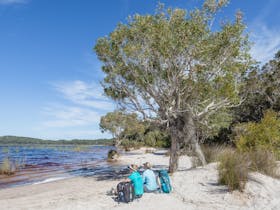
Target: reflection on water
{"type": "Point", "coordinates": [38, 164]}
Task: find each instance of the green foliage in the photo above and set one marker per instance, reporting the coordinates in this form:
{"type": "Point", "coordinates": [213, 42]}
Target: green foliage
{"type": "Point", "coordinates": [152, 137]}
{"type": "Point", "coordinates": [219, 122]}
{"type": "Point", "coordinates": [173, 69]}
{"type": "Point", "coordinates": [121, 125]}
{"type": "Point", "coordinates": [264, 135]}
{"type": "Point", "coordinates": [223, 137]}
{"type": "Point", "coordinates": [262, 91]}
{"type": "Point", "coordinates": [156, 138]}
{"type": "Point", "coordinates": [129, 131]}
{"type": "Point", "coordinates": [233, 170]}
{"type": "Point", "coordinates": [172, 63]}
{"type": "Point", "coordinates": [131, 144]}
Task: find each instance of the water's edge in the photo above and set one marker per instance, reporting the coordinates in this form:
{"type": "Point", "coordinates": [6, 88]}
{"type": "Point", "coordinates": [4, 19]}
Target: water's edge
{"type": "Point", "coordinates": [43, 165]}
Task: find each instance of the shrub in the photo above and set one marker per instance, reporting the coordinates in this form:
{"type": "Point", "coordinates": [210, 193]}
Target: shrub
{"type": "Point", "coordinates": [157, 138]}
{"type": "Point", "coordinates": [150, 150]}
{"type": "Point", "coordinates": [233, 170]}
{"type": "Point", "coordinates": [264, 135]}
{"type": "Point", "coordinates": [7, 167]}
{"type": "Point", "coordinates": [131, 144]}
{"type": "Point", "coordinates": [212, 153]}
{"type": "Point", "coordinates": [163, 143]}
{"type": "Point", "coordinates": [264, 162]}
{"type": "Point", "coordinates": [112, 155]}
{"type": "Point", "coordinates": [150, 139]}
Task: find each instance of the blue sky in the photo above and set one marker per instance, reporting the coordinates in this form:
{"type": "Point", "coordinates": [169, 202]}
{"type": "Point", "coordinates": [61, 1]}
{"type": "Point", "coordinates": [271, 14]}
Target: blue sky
{"type": "Point", "coordinates": [49, 74]}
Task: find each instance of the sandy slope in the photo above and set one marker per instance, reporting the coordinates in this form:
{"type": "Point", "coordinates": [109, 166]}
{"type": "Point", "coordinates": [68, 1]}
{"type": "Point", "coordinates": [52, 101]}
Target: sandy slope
{"type": "Point", "coordinates": [193, 189]}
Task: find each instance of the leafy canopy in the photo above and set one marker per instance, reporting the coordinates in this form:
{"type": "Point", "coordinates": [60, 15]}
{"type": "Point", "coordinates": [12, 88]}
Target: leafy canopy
{"type": "Point", "coordinates": [119, 123]}
{"type": "Point", "coordinates": [172, 63]}
{"type": "Point", "coordinates": [262, 90]}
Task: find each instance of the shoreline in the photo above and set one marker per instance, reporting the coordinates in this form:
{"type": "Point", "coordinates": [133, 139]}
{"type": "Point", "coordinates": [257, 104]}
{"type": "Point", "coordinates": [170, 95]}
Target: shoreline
{"type": "Point", "coordinates": [194, 188]}
{"type": "Point", "coordinates": [33, 165]}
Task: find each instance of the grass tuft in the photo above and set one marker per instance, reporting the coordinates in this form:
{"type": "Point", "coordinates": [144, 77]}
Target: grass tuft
{"type": "Point", "coordinates": [233, 170]}
{"type": "Point", "coordinates": [213, 153]}
{"type": "Point", "coordinates": [234, 167]}
{"type": "Point", "coordinates": [264, 161]}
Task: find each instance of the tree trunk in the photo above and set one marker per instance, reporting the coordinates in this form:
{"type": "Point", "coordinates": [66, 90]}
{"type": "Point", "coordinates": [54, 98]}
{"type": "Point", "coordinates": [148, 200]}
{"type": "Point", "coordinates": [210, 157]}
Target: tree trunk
{"type": "Point", "coordinates": [191, 137]}
{"type": "Point", "coordinates": [117, 142]}
{"type": "Point", "coordinates": [174, 153]}
{"type": "Point", "coordinates": [183, 130]}
{"type": "Point", "coordinates": [199, 152]}
{"type": "Point", "coordinates": [177, 135]}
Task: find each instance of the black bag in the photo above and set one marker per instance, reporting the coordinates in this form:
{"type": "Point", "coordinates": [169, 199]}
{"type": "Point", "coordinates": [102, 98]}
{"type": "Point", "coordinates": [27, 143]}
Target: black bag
{"type": "Point", "coordinates": [125, 192]}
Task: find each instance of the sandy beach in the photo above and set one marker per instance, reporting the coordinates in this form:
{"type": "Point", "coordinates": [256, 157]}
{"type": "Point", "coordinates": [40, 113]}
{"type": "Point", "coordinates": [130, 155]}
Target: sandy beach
{"type": "Point", "coordinates": [194, 188]}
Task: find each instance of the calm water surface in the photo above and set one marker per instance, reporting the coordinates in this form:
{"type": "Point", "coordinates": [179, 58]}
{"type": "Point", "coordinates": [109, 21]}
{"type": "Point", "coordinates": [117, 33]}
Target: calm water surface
{"type": "Point", "coordinates": [39, 164]}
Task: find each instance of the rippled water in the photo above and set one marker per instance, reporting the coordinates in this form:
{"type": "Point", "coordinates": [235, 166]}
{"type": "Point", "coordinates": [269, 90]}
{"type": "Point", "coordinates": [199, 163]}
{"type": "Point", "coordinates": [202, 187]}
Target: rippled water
{"type": "Point", "coordinates": [39, 164]}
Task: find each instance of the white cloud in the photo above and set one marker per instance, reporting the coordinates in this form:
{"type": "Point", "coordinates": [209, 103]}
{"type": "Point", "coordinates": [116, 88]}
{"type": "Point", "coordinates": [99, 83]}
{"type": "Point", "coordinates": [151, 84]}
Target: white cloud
{"type": "Point", "coordinates": [55, 133]}
{"type": "Point", "coordinates": [65, 116]}
{"type": "Point", "coordinates": [79, 115]}
{"type": "Point", "coordinates": [81, 134]}
{"type": "Point", "coordinates": [266, 42]}
{"type": "Point", "coordinates": [266, 36]}
{"type": "Point", "coordinates": [7, 2]}
{"type": "Point", "coordinates": [81, 93]}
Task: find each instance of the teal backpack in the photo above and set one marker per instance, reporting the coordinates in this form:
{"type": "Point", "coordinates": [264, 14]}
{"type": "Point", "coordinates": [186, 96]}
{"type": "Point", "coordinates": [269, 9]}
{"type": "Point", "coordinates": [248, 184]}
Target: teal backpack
{"type": "Point", "coordinates": [164, 181]}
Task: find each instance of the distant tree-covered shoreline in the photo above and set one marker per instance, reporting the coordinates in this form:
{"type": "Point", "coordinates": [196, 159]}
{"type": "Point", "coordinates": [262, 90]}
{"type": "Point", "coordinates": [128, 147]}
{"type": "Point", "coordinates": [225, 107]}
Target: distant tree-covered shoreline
{"type": "Point", "coordinates": [5, 140]}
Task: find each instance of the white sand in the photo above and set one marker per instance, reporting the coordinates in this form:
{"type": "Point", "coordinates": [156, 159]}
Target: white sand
{"type": "Point", "coordinates": [193, 189]}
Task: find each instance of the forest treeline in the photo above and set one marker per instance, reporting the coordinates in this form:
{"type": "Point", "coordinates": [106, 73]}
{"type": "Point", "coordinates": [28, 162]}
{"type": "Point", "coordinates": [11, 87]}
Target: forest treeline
{"type": "Point", "coordinates": [16, 140]}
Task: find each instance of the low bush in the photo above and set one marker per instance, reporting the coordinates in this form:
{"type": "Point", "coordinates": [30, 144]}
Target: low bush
{"type": "Point", "coordinates": [157, 138]}
{"type": "Point", "coordinates": [234, 167]}
{"type": "Point", "coordinates": [233, 170]}
{"type": "Point", "coordinates": [263, 161]}
{"type": "Point", "coordinates": [113, 155]}
{"type": "Point", "coordinates": [264, 135]}
{"type": "Point", "coordinates": [130, 144]}
{"type": "Point", "coordinates": [7, 167]}
{"type": "Point", "coordinates": [258, 147]}
{"type": "Point", "coordinates": [212, 153]}
{"type": "Point", "coordinates": [149, 150]}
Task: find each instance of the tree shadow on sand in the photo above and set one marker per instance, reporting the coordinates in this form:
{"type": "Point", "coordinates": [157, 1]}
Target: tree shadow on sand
{"type": "Point", "coordinates": [217, 188]}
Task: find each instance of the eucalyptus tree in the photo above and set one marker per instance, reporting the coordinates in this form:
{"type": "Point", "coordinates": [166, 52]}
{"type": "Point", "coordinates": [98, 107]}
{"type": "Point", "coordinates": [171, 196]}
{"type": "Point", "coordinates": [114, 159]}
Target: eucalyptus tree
{"type": "Point", "coordinates": [172, 68]}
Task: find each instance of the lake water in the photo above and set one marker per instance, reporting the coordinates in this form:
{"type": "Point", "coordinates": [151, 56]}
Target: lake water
{"type": "Point", "coordinates": [39, 164]}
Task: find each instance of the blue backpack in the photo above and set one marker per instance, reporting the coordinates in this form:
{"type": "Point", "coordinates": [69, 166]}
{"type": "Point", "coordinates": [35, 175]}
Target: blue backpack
{"type": "Point", "coordinates": [164, 181]}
